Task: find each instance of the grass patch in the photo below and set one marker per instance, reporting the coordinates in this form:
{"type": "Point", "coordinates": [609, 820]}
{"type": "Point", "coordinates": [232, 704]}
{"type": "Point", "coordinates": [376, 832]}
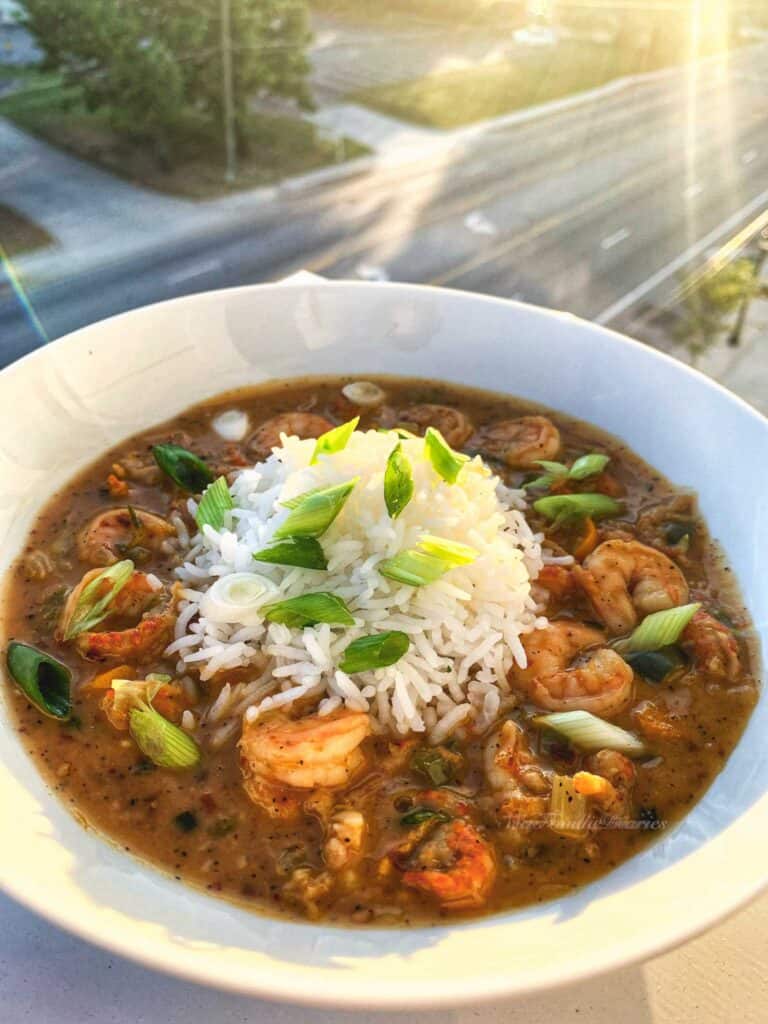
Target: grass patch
{"type": "Point", "coordinates": [277, 147]}
{"type": "Point", "coordinates": [453, 98]}
{"type": "Point", "coordinates": [18, 234]}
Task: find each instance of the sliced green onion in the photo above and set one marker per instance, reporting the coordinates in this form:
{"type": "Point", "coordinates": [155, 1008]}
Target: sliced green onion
{"type": "Point", "coordinates": [91, 608]}
{"type": "Point", "coordinates": [445, 461]}
{"type": "Point", "coordinates": [42, 679]}
{"type": "Point", "coordinates": [421, 814]}
{"type": "Point", "coordinates": [415, 568]}
{"type": "Point", "coordinates": [305, 552]}
{"type": "Point", "coordinates": [553, 469]}
{"type": "Point", "coordinates": [376, 651]}
{"type": "Point", "coordinates": [398, 482]}
{"type": "Point", "coordinates": [562, 508]}
{"type": "Point", "coordinates": [588, 465]}
{"type": "Point", "coordinates": [432, 559]}
{"type": "Point", "coordinates": [447, 550]}
{"type": "Point", "coordinates": [158, 677]}
{"type": "Point", "coordinates": [661, 629]}
{"type": "Point", "coordinates": [589, 733]}
{"type": "Point", "coordinates": [308, 610]}
{"type": "Point", "coordinates": [313, 512]}
{"type": "Point", "coordinates": [214, 504]}
{"type": "Point", "coordinates": [430, 762]}
{"type": "Point", "coordinates": [134, 693]}
{"type": "Point", "coordinates": [161, 741]}
{"type": "Point", "coordinates": [238, 597]}
{"type": "Point", "coordinates": [335, 440]}
{"type": "Point", "coordinates": [655, 665]}
{"type": "Point", "coordinates": [187, 470]}
{"type": "Point", "coordinates": [568, 810]}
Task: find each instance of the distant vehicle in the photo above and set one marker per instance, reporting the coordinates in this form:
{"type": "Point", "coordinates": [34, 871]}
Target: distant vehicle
{"type": "Point", "coordinates": [536, 35]}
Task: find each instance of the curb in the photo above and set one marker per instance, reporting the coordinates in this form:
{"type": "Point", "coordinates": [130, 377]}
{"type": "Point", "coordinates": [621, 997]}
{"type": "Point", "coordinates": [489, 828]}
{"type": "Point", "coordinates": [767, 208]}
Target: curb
{"type": "Point", "coordinates": [338, 172]}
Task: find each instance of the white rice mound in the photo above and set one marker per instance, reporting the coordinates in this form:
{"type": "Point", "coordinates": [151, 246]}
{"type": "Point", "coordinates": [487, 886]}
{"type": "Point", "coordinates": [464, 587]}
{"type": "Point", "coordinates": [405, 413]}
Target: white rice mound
{"type": "Point", "coordinates": [464, 629]}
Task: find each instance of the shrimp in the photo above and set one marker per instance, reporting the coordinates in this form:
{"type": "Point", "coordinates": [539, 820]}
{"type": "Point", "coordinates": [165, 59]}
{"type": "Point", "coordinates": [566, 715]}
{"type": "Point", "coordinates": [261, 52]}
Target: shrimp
{"type": "Point", "coordinates": [455, 864]}
{"type": "Point", "coordinates": [282, 755]}
{"type": "Point", "coordinates": [626, 580]}
{"type": "Point", "coordinates": [295, 424]}
{"type": "Point", "coordinates": [520, 442]}
{"type": "Point", "coordinates": [608, 782]}
{"type": "Point", "coordinates": [111, 535]}
{"type": "Point", "coordinates": [452, 424]}
{"type": "Point", "coordinates": [512, 771]}
{"type": "Point", "coordinates": [141, 596]}
{"type": "Point", "coordinates": [712, 646]}
{"type": "Point", "coordinates": [602, 683]}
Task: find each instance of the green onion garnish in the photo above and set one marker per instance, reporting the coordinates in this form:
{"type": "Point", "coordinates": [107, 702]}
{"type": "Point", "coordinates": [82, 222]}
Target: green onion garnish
{"type": "Point", "coordinates": [433, 558]}
{"type": "Point", "coordinates": [398, 482]}
{"type": "Point", "coordinates": [563, 508]}
{"type": "Point", "coordinates": [430, 762]}
{"type": "Point", "coordinates": [308, 610]}
{"type": "Point", "coordinates": [655, 665]}
{"type": "Point", "coordinates": [214, 504]}
{"type": "Point", "coordinates": [447, 550]}
{"type": "Point", "coordinates": [187, 470]}
{"type": "Point", "coordinates": [305, 552]}
{"type": "Point", "coordinates": [445, 461]}
{"type": "Point", "coordinates": [93, 604]}
{"type": "Point", "coordinates": [42, 679]}
{"type": "Point", "coordinates": [557, 472]}
{"type": "Point", "coordinates": [661, 629]}
{"type": "Point", "coordinates": [422, 814]}
{"type": "Point", "coordinates": [376, 651]}
{"type": "Point", "coordinates": [568, 809]}
{"type": "Point", "coordinates": [313, 512]}
{"type": "Point", "coordinates": [161, 741]}
{"type": "Point", "coordinates": [334, 440]}
{"type": "Point", "coordinates": [589, 733]}
{"type": "Point", "coordinates": [588, 465]}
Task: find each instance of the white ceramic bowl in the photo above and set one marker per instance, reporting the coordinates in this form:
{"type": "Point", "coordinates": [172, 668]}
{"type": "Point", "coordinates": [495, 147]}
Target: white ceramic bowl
{"type": "Point", "coordinates": [65, 404]}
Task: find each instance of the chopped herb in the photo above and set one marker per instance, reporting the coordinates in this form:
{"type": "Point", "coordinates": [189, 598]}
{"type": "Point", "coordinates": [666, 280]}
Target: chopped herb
{"type": "Point", "coordinates": [429, 762]}
{"type": "Point", "coordinates": [679, 534]}
{"type": "Point", "coordinates": [222, 827]}
{"type": "Point", "coordinates": [308, 610]}
{"type": "Point", "coordinates": [398, 482]}
{"type": "Point", "coordinates": [376, 651]}
{"type": "Point", "coordinates": [304, 552]}
{"type": "Point", "coordinates": [649, 818]}
{"type": "Point", "coordinates": [334, 440]}
{"type": "Point", "coordinates": [656, 665]}
{"type": "Point", "coordinates": [187, 470]}
{"type": "Point", "coordinates": [42, 679]}
{"type": "Point", "coordinates": [214, 505]}
{"type": "Point", "coordinates": [421, 814]}
{"type": "Point", "coordinates": [445, 461]}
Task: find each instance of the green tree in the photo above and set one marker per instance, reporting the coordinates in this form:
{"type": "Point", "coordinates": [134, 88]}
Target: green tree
{"type": "Point", "coordinates": [154, 66]}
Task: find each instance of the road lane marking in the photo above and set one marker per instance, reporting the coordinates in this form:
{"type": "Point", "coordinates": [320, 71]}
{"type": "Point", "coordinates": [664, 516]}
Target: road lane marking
{"type": "Point", "coordinates": [661, 275]}
{"type": "Point", "coordinates": [692, 191]}
{"type": "Point", "coordinates": [618, 236]}
{"type": "Point", "coordinates": [749, 157]}
{"type": "Point", "coordinates": [196, 270]}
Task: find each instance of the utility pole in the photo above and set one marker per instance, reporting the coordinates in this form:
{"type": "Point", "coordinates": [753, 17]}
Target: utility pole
{"type": "Point", "coordinates": [734, 338]}
{"type": "Point", "coordinates": [230, 141]}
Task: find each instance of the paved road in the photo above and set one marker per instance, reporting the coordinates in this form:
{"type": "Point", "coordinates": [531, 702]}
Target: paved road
{"type": "Point", "coordinates": [575, 211]}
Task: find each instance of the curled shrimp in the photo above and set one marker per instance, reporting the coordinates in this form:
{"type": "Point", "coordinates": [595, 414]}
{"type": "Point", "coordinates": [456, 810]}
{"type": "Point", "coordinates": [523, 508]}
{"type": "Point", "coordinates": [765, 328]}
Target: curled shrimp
{"type": "Point", "coordinates": [142, 597]}
{"type": "Point", "coordinates": [111, 535]}
{"type": "Point", "coordinates": [600, 683]}
{"type": "Point", "coordinates": [626, 580]}
{"type": "Point", "coordinates": [452, 424]}
{"type": "Point", "coordinates": [295, 424]}
{"type": "Point", "coordinates": [521, 785]}
{"type": "Point", "coordinates": [455, 864]}
{"type": "Point", "coordinates": [520, 442]}
{"type": "Point", "coordinates": [282, 755]}
{"type": "Point", "coordinates": [712, 646]}
{"type": "Point", "coordinates": [608, 781]}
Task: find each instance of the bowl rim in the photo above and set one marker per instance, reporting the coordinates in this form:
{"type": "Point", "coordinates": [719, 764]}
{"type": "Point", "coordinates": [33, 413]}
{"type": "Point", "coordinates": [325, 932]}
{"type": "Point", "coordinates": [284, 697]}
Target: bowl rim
{"type": "Point", "coordinates": [354, 993]}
